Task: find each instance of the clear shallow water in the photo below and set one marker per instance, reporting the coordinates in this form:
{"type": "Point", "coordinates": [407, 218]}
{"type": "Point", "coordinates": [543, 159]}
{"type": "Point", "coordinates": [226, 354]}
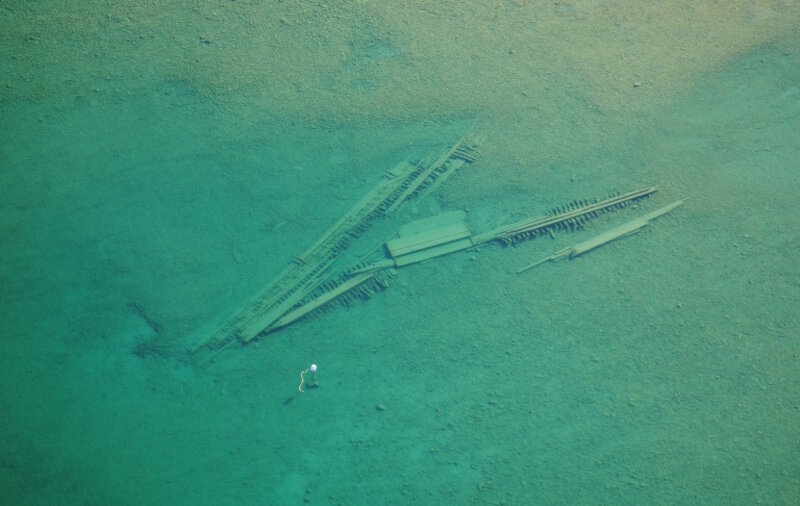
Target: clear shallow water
{"type": "Point", "coordinates": [659, 369]}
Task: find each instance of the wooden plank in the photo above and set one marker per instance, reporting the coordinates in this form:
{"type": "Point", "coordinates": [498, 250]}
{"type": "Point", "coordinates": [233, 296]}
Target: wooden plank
{"type": "Point", "coordinates": [437, 251]}
{"type": "Point", "coordinates": [427, 239]}
{"type": "Point", "coordinates": [428, 233]}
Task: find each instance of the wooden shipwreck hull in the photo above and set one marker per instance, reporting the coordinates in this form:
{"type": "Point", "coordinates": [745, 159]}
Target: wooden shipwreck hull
{"type": "Point", "coordinates": [310, 283]}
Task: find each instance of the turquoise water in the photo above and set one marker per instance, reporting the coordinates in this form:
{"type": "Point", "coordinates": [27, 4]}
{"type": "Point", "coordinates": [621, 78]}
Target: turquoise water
{"type": "Point", "coordinates": [659, 369]}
